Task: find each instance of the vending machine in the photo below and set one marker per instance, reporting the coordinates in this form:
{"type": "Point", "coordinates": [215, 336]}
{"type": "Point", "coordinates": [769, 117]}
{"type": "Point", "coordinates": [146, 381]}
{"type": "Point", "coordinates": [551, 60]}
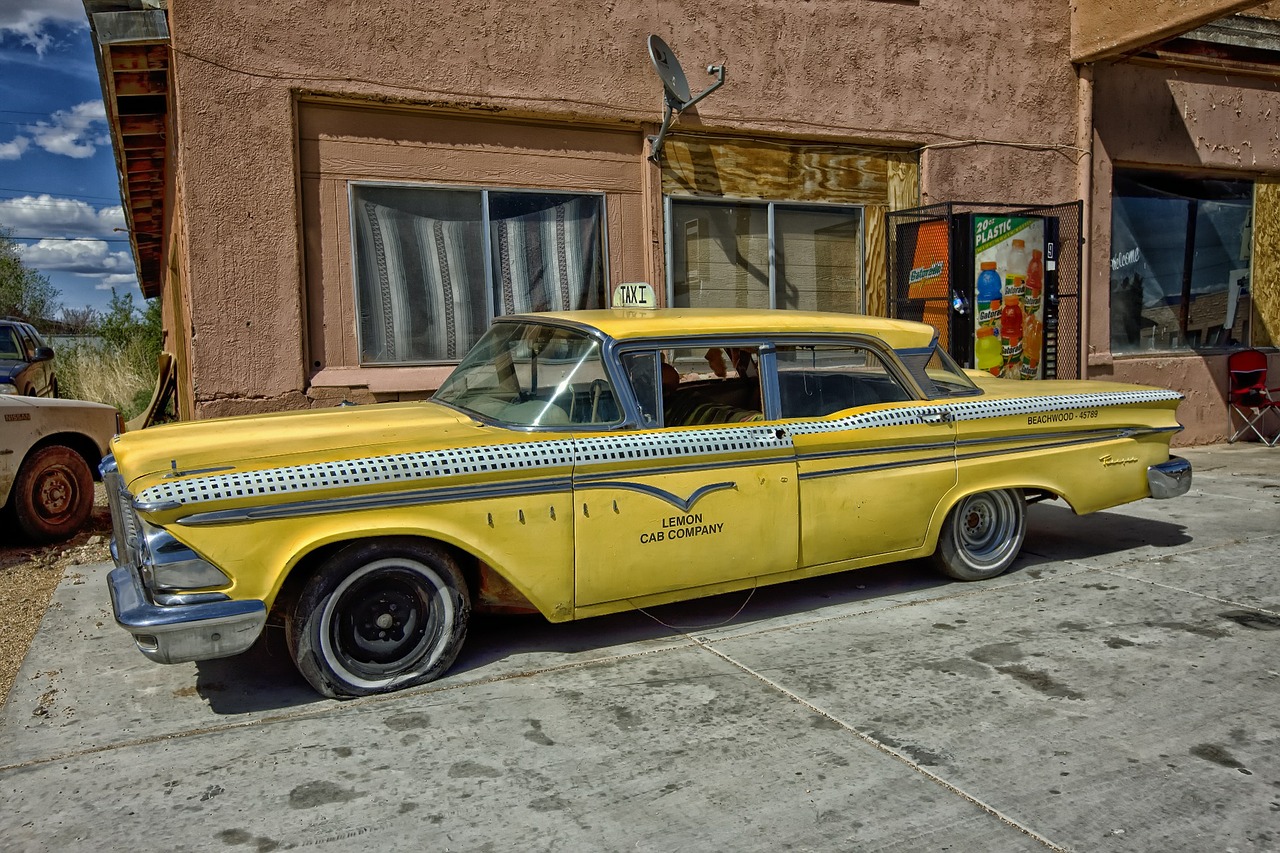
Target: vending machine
{"type": "Point", "coordinates": [989, 279]}
{"type": "Point", "coordinates": [1011, 256]}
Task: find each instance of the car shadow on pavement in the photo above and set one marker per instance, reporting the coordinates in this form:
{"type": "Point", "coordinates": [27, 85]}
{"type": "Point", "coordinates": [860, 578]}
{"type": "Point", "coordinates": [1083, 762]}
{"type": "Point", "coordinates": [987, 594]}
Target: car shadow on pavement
{"type": "Point", "coordinates": [1054, 532]}
{"type": "Point", "coordinates": [261, 679]}
{"type": "Point", "coordinates": [265, 679]}
{"type": "Point", "coordinates": [496, 638]}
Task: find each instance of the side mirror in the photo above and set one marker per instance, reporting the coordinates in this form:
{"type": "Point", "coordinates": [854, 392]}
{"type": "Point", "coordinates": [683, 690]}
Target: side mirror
{"type": "Point", "coordinates": [44, 353]}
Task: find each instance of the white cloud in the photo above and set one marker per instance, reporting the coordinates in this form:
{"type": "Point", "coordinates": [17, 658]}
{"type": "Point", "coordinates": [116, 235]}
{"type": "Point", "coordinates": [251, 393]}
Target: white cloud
{"type": "Point", "coordinates": [13, 149]}
{"type": "Point", "coordinates": [86, 257]}
{"type": "Point", "coordinates": [47, 216]}
{"type": "Point", "coordinates": [32, 22]}
{"type": "Point", "coordinates": [117, 281]}
{"type": "Point", "coordinates": [76, 132]}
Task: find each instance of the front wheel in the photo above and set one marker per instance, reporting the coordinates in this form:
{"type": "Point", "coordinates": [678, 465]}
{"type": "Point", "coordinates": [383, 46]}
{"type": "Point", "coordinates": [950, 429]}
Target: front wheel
{"type": "Point", "coordinates": [53, 494]}
{"type": "Point", "coordinates": [982, 535]}
{"type": "Point", "coordinates": [380, 616]}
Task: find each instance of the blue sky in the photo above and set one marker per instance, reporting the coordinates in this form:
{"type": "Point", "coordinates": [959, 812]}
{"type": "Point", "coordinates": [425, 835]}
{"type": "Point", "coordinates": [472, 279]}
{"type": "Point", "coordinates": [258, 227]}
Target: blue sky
{"type": "Point", "coordinates": [59, 191]}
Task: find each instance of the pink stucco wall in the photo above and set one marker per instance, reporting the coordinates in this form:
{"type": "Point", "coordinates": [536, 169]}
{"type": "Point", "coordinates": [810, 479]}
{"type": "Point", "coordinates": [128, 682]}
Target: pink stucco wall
{"type": "Point", "coordinates": [1194, 121]}
{"type": "Point", "coordinates": [985, 92]}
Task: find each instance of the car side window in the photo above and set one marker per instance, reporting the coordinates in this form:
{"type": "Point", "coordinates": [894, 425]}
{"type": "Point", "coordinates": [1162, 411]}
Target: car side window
{"type": "Point", "coordinates": [819, 380]}
{"type": "Point", "coordinates": [710, 385]}
{"type": "Point", "coordinates": [10, 346]}
{"type": "Point", "coordinates": [28, 343]}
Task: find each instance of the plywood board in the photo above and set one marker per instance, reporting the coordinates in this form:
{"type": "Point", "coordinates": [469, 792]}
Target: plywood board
{"type": "Point", "coordinates": [773, 171]}
{"type": "Point", "coordinates": [1265, 277]}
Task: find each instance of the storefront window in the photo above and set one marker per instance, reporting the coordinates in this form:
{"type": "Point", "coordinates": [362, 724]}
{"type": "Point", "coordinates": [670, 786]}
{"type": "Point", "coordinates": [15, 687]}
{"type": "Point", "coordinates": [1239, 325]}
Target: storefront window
{"type": "Point", "coordinates": [1180, 251]}
{"type": "Point", "coordinates": [765, 255]}
{"type": "Point", "coordinates": [430, 276]}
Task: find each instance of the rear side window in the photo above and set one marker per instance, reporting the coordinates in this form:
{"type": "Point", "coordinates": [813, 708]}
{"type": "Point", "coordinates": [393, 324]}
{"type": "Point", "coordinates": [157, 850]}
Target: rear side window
{"type": "Point", "coordinates": [819, 380]}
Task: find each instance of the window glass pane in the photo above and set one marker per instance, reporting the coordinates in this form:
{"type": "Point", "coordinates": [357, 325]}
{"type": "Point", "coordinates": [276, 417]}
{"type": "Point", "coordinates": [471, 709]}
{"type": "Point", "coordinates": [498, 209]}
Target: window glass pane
{"type": "Point", "coordinates": [716, 385]}
{"type": "Point", "coordinates": [819, 259]}
{"type": "Point", "coordinates": [529, 374]}
{"type": "Point", "coordinates": [819, 380]}
{"type": "Point", "coordinates": [547, 252]}
{"type": "Point", "coordinates": [419, 273]}
{"type": "Point", "coordinates": [642, 372]}
{"type": "Point", "coordinates": [1180, 251]}
{"type": "Point", "coordinates": [720, 255]}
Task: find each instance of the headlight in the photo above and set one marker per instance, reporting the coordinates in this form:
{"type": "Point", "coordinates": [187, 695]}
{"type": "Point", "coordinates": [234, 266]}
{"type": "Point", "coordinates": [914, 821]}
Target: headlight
{"type": "Point", "coordinates": [167, 564]}
{"type": "Point", "coordinates": [7, 388]}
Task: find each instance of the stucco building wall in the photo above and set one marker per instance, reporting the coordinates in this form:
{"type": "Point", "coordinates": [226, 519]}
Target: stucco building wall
{"type": "Point", "coordinates": [1195, 122]}
{"type": "Point", "coordinates": [954, 88]}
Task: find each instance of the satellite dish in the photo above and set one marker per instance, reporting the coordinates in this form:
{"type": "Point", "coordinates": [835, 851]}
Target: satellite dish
{"type": "Point", "coordinates": [675, 86]}
{"type": "Point", "coordinates": [669, 71]}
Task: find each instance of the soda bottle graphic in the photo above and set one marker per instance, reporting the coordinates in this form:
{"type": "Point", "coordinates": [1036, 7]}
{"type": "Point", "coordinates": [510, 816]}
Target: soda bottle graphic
{"type": "Point", "coordinates": [987, 352]}
{"type": "Point", "coordinates": [1011, 320]}
{"type": "Point", "coordinates": [988, 294]}
{"type": "Point", "coordinates": [1035, 274]}
{"type": "Point", "coordinates": [1016, 268]}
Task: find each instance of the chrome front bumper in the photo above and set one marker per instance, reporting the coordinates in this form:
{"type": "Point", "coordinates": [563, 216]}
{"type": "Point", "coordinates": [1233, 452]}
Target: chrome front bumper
{"type": "Point", "coordinates": [176, 633]}
{"type": "Point", "coordinates": [1169, 479]}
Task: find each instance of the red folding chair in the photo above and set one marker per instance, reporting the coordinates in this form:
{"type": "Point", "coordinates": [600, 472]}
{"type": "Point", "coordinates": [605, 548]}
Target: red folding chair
{"type": "Point", "coordinates": [1248, 395]}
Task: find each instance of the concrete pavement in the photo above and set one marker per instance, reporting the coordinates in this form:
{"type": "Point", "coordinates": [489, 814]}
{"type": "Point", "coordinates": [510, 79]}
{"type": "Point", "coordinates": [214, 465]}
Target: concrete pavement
{"type": "Point", "coordinates": [1117, 690]}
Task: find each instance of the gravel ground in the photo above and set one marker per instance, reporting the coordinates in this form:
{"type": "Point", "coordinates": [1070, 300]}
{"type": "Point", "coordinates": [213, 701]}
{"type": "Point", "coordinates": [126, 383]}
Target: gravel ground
{"type": "Point", "coordinates": [28, 576]}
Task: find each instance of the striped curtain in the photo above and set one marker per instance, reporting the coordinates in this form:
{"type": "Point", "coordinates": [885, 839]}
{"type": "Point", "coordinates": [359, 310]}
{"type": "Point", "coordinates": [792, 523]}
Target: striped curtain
{"type": "Point", "coordinates": [549, 260]}
{"type": "Point", "coordinates": [417, 302]}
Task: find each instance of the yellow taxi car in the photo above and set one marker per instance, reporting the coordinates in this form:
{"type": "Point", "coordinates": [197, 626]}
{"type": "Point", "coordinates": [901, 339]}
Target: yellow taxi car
{"type": "Point", "coordinates": [583, 463]}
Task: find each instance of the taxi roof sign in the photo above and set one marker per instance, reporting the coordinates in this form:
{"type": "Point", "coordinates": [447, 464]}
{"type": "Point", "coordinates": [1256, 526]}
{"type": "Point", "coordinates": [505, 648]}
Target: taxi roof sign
{"type": "Point", "coordinates": [634, 294]}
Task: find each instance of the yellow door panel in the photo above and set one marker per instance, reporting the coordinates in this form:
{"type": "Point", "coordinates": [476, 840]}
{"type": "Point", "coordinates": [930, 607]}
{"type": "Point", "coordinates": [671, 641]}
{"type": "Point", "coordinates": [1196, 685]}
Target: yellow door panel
{"type": "Point", "coordinates": [657, 520]}
{"type": "Point", "coordinates": [870, 481]}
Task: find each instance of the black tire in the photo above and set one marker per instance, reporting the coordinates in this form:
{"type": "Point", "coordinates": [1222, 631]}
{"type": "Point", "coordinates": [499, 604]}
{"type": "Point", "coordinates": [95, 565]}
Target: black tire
{"type": "Point", "coordinates": [52, 494]}
{"type": "Point", "coordinates": [982, 535]}
{"type": "Point", "coordinates": [378, 616]}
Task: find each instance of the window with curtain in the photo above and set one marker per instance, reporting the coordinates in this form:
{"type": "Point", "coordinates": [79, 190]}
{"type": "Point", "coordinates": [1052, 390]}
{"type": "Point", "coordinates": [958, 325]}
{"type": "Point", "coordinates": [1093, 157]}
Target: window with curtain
{"type": "Point", "coordinates": [430, 276]}
{"type": "Point", "coordinates": [1180, 260]}
{"type": "Point", "coordinates": [765, 255]}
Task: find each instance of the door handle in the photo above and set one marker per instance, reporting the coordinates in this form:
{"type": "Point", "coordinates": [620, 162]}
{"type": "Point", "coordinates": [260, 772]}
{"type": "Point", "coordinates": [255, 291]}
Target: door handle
{"type": "Point", "coordinates": [941, 416]}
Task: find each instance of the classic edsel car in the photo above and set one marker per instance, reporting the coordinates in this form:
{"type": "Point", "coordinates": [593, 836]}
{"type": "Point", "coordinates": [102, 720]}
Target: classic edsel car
{"type": "Point", "coordinates": [584, 463]}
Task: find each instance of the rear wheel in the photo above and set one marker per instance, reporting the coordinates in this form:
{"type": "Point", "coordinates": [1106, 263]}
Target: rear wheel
{"type": "Point", "coordinates": [53, 494]}
{"type": "Point", "coordinates": [380, 616]}
{"type": "Point", "coordinates": [982, 535]}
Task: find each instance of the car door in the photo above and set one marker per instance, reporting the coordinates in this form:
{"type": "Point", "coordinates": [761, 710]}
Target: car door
{"type": "Point", "coordinates": [873, 459]}
{"type": "Point", "coordinates": [664, 509]}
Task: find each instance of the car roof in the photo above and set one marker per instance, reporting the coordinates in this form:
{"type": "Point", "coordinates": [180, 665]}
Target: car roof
{"type": "Point", "coordinates": [638, 323]}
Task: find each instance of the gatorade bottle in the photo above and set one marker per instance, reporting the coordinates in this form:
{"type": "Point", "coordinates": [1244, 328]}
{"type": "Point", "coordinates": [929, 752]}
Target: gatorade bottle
{"type": "Point", "coordinates": [1011, 319]}
{"type": "Point", "coordinates": [1018, 261]}
{"type": "Point", "coordinates": [987, 352]}
{"type": "Point", "coordinates": [988, 286]}
{"type": "Point", "coordinates": [1035, 274]}
{"type": "Point", "coordinates": [988, 289]}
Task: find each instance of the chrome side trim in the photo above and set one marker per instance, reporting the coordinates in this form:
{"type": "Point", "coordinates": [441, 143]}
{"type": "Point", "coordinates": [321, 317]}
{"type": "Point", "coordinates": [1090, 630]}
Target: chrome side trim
{"type": "Point", "coordinates": [1169, 479]}
{"type": "Point", "coordinates": [382, 500]}
{"type": "Point", "coordinates": [684, 504]}
{"type": "Point", "coordinates": [882, 466]}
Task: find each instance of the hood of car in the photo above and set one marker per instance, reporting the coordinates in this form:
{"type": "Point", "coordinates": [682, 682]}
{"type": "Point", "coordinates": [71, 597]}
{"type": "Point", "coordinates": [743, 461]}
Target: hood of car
{"type": "Point", "coordinates": [10, 367]}
{"type": "Point", "coordinates": [257, 442]}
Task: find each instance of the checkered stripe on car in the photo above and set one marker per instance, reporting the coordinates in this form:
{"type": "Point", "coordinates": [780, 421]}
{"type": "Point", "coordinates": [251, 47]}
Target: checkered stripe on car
{"type": "Point", "coordinates": [486, 459]}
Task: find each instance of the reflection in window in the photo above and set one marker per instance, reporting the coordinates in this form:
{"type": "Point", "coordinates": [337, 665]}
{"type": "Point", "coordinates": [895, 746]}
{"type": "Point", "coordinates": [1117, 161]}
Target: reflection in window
{"type": "Point", "coordinates": [1180, 253]}
{"type": "Point", "coordinates": [429, 278]}
{"type": "Point", "coordinates": [766, 255]}
{"type": "Point", "coordinates": [819, 380]}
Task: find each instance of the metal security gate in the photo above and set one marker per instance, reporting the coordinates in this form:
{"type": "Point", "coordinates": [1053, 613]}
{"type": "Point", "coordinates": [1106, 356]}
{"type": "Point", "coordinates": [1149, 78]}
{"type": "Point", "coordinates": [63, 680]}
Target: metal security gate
{"type": "Point", "coordinates": [933, 258]}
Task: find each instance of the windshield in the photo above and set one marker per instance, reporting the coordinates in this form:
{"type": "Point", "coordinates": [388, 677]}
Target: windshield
{"type": "Point", "coordinates": [533, 375]}
{"type": "Point", "coordinates": [937, 375]}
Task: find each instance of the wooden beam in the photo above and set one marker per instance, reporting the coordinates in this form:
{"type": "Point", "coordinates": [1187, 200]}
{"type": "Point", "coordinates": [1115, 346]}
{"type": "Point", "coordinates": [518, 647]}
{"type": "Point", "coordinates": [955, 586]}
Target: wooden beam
{"type": "Point", "coordinates": [1105, 29]}
{"type": "Point", "coordinates": [141, 83]}
{"type": "Point", "coordinates": [141, 125]}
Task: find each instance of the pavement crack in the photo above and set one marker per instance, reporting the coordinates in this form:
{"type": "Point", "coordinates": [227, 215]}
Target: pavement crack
{"type": "Point", "coordinates": [884, 747]}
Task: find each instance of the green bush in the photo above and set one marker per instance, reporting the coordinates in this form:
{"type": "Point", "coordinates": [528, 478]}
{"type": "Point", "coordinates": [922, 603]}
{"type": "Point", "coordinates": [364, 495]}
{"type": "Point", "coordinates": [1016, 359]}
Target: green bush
{"type": "Point", "coordinates": [117, 365]}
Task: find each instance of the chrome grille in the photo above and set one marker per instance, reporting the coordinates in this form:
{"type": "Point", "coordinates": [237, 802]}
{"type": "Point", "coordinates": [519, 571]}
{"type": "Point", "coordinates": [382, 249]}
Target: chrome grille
{"type": "Point", "coordinates": [124, 521]}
